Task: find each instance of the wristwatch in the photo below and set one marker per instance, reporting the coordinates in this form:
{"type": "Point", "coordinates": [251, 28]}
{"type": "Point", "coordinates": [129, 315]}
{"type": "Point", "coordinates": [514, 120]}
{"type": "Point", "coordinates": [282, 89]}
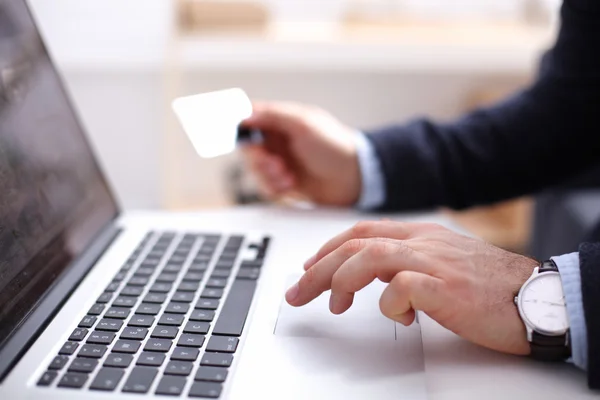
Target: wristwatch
{"type": "Point", "coordinates": [541, 304]}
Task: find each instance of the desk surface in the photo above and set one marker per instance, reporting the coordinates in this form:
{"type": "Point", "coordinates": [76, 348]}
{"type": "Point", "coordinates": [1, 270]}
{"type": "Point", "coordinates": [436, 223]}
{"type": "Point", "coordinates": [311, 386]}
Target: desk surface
{"type": "Point", "coordinates": [455, 369]}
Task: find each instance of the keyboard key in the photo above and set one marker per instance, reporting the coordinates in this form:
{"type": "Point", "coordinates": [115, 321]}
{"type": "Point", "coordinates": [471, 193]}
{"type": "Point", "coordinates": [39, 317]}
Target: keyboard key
{"type": "Point", "coordinates": [182, 250]}
{"type": "Point", "coordinates": [171, 319]}
{"type": "Point", "coordinates": [177, 308]}
{"type": "Point", "coordinates": [107, 379]}
{"type": "Point", "coordinates": [222, 344]}
{"type": "Point", "coordinates": [185, 354]}
{"type": "Point", "coordinates": [134, 333]}
{"type": "Point", "coordinates": [183, 297]}
{"type": "Point", "coordinates": [212, 293]}
{"type": "Point", "coordinates": [96, 309]}
{"type": "Point", "coordinates": [47, 378]}
{"type": "Point", "coordinates": [193, 276]}
{"type": "Point", "coordinates": [92, 351]}
{"type": "Point", "coordinates": [160, 345]}
{"type": "Point", "coordinates": [132, 291]}
{"type": "Point", "coordinates": [175, 261]}
{"type": "Point", "coordinates": [120, 276]}
{"type": "Point", "coordinates": [129, 264]}
{"type": "Point", "coordinates": [206, 389]}
{"type": "Point", "coordinates": [228, 255]}
{"type": "Point", "coordinates": [172, 268]}
{"type": "Point", "coordinates": [104, 298]}
{"type": "Point", "coordinates": [196, 327]}
{"type": "Point", "coordinates": [161, 287]}
{"type": "Point", "coordinates": [212, 374]}
{"type": "Point", "coordinates": [208, 304]}
{"type": "Point", "coordinates": [126, 346]}
{"type": "Point", "coordinates": [144, 321]}
{"type": "Point", "coordinates": [151, 359]}
{"type": "Point", "coordinates": [251, 264]}
{"type": "Point", "coordinates": [202, 315]}
{"type": "Point", "coordinates": [191, 340]}
{"type": "Point", "coordinates": [216, 283]}
{"type": "Point", "coordinates": [155, 298]}
{"type": "Point", "coordinates": [182, 368]}
{"type": "Point", "coordinates": [112, 287]}
{"type": "Point", "coordinates": [221, 273]}
{"type": "Point", "coordinates": [85, 365]}
{"type": "Point", "coordinates": [150, 262]}
{"type": "Point", "coordinates": [188, 286]}
{"type": "Point", "coordinates": [117, 313]}
{"type": "Point", "coordinates": [111, 325]}
{"type": "Point", "coordinates": [78, 334]}
{"type": "Point", "coordinates": [148, 309]}
{"type": "Point", "coordinates": [98, 337]}
{"type": "Point", "coordinates": [225, 265]}
{"type": "Point", "coordinates": [68, 348]}
{"type": "Point", "coordinates": [59, 362]}
{"type": "Point", "coordinates": [198, 266]}
{"type": "Point", "coordinates": [248, 273]}
{"type": "Point", "coordinates": [217, 359]}
{"type": "Point", "coordinates": [166, 277]}
{"type": "Point", "coordinates": [165, 332]}
{"type": "Point", "coordinates": [145, 271]}
{"type": "Point", "coordinates": [118, 360]}
{"type": "Point", "coordinates": [140, 380]}
{"type": "Point", "coordinates": [171, 386]}
{"type": "Point", "coordinates": [87, 322]}
{"type": "Point", "coordinates": [138, 281]}
{"type": "Point", "coordinates": [125, 301]}
{"type": "Point", "coordinates": [235, 310]}
{"type": "Point", "coordinates": [73, 380]}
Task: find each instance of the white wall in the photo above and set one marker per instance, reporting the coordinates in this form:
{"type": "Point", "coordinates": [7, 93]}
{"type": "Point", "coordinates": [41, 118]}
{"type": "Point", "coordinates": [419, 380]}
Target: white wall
{"type": "Point", "coordinates": [111, 53]}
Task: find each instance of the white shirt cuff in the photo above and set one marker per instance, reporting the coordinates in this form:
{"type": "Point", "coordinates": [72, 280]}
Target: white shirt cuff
{"type": "Point", "coordinates": [372, 193]}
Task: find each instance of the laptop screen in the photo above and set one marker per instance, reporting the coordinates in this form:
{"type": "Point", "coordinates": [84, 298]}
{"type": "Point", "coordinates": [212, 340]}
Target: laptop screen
{"type": "Point", "coordinates": [53, 197]}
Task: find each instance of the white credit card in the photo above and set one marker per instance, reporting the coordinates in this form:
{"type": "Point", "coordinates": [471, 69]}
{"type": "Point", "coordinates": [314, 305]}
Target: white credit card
{"type": "Point", "coordinates": [211, 120]}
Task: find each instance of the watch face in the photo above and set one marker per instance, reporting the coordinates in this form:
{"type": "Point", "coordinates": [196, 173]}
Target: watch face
{"type": "Point", "coordinates": [542, 304]}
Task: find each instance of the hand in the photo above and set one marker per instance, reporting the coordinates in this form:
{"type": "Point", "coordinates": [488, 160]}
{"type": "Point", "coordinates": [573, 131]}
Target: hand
{"type": "Point", "coordinates": [306, 152]}
{"type": "Point", "coordinates": [466, 285]}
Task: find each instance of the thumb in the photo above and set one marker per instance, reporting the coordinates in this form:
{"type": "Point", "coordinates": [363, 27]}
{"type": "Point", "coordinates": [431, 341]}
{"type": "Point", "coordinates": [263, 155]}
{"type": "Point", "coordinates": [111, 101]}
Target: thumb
{"type": "Point", "coordinates": [409, 291]}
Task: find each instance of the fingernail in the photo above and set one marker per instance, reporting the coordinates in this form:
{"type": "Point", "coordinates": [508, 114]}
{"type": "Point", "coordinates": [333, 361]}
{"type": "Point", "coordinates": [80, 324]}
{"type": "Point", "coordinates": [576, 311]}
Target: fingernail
{"type": "Point", "coordinates": [333, 303]}
{"type": "Point", "coordinates": [308, 263]}
{"type": "Point", "coordinates": [292, 293]}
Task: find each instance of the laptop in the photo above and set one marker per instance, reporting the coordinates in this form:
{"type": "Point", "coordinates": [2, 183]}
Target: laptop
{"type": "Point", "coordinates": [97, 303]}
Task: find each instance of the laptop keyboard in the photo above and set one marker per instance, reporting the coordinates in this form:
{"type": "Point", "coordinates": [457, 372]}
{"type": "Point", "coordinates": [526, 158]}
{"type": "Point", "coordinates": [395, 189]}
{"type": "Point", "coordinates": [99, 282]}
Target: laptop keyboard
{"type": "Point", "coordinates": [169, 323]}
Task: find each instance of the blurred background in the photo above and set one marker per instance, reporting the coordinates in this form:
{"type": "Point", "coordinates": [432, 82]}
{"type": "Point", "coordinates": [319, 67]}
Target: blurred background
{"type": "Point", "coordinates": [369, 62]}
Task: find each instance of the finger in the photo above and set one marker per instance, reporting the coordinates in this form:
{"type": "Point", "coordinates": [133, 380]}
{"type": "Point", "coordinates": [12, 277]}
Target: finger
{"type": "Point", "coordinates": [380, 259]}
{"type": "Point", "coordinates": [370, 229]}
{"type": "Point", "coordinates": [281, 117]}
{"type": "Point", "coordinates": [319, 278]}
{"type": "Point", "coordinates": [409, 291]}
{"type": "Point", "coordinates": [270, 170]}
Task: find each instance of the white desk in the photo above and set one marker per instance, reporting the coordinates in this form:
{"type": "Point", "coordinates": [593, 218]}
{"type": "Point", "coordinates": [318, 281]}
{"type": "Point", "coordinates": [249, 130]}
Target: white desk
{"type": "Point", "coordinates": [455, 369]}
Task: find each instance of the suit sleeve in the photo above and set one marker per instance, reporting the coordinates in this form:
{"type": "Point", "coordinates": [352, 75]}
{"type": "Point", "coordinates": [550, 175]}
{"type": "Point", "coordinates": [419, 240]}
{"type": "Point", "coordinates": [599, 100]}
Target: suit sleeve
{"type": "Point", "coordinates": [589, 261]}
{"type": "Point", "coordinates": [536, 139]}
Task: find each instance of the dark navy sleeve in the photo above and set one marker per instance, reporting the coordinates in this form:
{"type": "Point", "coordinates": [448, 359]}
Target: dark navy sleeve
{"type": "Point", "coordinates": [535, 139]}
{"type": "Point", "coordinates": [589, 264]}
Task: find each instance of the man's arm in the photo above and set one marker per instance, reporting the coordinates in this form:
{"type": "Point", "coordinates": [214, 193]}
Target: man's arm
{"type": "Point", "coordinates": [533, 140]}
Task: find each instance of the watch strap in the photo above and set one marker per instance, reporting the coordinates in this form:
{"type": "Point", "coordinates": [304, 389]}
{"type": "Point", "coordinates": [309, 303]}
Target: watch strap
{"type": "Point", "coordinates": [548, 266]}
{"type": "Point", "coordinates": [550, 348]}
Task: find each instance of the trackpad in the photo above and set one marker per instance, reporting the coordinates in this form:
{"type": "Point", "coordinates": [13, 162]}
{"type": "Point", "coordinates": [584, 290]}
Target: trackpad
{"type": "Point", "coordinates": [362, 321]}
